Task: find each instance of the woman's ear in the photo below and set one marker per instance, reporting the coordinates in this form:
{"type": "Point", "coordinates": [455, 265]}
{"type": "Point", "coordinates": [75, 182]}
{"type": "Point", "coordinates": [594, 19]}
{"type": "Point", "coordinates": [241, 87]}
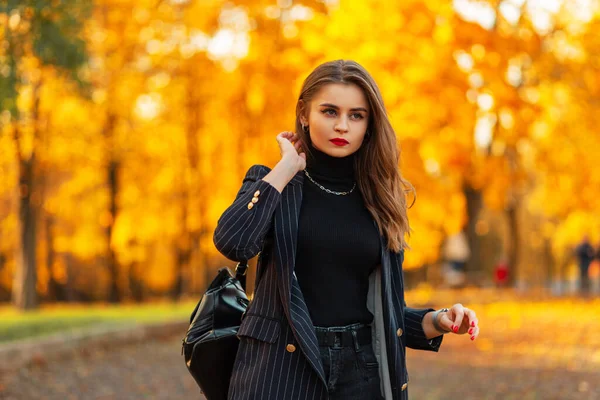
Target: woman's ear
{"type": "Point", "coordinates": [303, 112]}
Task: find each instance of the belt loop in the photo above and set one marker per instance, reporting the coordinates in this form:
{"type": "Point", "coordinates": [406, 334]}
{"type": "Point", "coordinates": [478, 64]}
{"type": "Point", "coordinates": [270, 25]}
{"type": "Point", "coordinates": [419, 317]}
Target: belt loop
{"type": "Point", "coordinates": [338, 340]}
{"type": "Point", "coordinates": [355, 340]}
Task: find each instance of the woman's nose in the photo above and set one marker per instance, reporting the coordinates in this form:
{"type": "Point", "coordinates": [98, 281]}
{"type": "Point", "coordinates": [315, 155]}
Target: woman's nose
{"type": "Point", "coordinates": [342, 125]}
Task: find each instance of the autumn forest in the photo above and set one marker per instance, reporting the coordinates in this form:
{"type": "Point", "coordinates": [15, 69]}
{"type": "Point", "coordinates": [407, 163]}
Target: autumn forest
{"type": "Point", "coordinates": [127, 126]}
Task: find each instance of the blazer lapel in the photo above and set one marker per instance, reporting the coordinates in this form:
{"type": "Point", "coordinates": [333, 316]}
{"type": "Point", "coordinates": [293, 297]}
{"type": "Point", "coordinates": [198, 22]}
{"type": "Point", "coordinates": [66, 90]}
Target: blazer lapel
{"type": "Point", "coordinates": [286, 237]}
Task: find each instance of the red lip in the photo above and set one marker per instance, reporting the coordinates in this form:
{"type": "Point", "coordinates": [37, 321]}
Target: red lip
{"type": "Point", "coordinates": [339, 142]}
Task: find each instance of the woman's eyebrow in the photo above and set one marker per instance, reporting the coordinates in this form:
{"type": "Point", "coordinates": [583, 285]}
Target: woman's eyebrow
{"type": "Point", "coordinates": [337, 108]}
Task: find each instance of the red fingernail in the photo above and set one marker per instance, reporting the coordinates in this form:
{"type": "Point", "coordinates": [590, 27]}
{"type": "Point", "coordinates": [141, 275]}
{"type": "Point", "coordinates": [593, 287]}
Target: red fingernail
{"type": "Point", "coordinates": [472, 337]}
{"type": "Point", "coordinates": [472, 323]}
{"type": "Point", "coordinates": [471, 331]}
{"type": "Point", "coordinates": [455, 329]}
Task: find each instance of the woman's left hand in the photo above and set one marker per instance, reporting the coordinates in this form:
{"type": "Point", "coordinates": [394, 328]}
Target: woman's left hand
{"type": "Point", "coordinates": [460, 320]}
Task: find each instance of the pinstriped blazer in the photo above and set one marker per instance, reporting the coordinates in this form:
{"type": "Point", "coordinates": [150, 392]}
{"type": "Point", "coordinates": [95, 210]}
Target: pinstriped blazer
{"type": "Point", "coordinates": [278, 356]}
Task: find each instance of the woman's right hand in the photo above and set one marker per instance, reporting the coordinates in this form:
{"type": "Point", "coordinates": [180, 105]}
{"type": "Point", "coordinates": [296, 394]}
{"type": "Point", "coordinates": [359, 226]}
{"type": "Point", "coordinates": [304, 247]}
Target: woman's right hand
{"type": "Point", "coordinates": [290, 147]}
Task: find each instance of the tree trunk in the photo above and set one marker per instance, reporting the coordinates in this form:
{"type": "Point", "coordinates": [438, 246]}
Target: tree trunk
{"type": "Point", "coordinates": [25, 279]}
{"type": "Point", "coordinates": [182, 249]}
{"type": "Point", "coordinates": [549, 261]}
{"type": "Point", "coordinates": [514, 242]}
{"type": "Point", "coordinates": [136, 286]}
{"type": "Point", "coordinates": [112, 180]}
{"type": "Point", "coordinates": [56, 290]}
{"type": "Point", "coordinates": [4, 293]}
{"type": "Point", "coordinates": [191, 236]}
{"type": "Point", "coordinates": [114, 295]}
{"type": "Point", "coordinates": [474, 204]}
{"type": "Point", "coordinates": [182, 260]}
{"type": "Point", "coordinates": [70, 292]}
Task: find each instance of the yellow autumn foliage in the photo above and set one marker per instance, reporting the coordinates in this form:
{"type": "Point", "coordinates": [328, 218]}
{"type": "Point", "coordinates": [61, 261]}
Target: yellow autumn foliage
{"type": "Point", "coordinates": [184, 97]}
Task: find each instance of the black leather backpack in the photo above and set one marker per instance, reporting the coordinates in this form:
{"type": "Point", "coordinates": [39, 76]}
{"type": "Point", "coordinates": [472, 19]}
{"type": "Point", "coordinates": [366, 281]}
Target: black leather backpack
{"type": "Point", "coordinates": [210, 344]}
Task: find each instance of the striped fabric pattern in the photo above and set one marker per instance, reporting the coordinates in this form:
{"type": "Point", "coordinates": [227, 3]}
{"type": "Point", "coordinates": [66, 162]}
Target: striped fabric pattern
{"type": "Point", "coordinates": [278, 357]}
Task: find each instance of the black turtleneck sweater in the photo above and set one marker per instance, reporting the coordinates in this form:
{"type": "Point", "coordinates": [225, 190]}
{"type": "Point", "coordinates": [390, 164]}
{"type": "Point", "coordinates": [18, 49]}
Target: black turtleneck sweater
{"type": "Point", "coordinates": [338, 244]}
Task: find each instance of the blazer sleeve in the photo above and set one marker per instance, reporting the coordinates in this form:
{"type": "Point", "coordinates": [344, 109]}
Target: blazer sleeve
{"type": "Point", "coordinates": [240, 230]}
{"type": "Point", "coordinates": [415, 336]}
{"type": "Point", "coordinates": [413, 324]}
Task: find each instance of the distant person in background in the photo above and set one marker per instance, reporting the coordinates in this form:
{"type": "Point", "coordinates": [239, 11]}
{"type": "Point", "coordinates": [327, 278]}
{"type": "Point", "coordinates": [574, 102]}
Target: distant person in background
{"type": "Point", "coordinates": [594, 272]}
{"type": "Point", "coordinates": [585, 255]}
{"type": "Point", "coordinates": [501, 273]}
{"type": "Point", "coordinates": [456, 253]}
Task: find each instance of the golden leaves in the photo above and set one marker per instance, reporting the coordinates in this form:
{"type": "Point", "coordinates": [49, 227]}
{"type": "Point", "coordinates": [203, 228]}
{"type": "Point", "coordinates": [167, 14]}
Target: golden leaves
{"type": "Point", "coordinates": [184, 125]}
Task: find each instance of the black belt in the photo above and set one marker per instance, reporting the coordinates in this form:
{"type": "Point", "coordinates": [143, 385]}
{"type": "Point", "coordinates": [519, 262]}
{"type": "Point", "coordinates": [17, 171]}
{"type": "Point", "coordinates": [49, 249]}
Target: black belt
{"type": "Point", "coordinates": [346, 338]}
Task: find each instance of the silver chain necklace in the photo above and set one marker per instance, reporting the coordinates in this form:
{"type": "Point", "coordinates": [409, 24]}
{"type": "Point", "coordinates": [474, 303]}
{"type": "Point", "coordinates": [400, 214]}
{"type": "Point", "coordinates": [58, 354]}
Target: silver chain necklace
{"type": "Point", "coordinates": [327, 190]}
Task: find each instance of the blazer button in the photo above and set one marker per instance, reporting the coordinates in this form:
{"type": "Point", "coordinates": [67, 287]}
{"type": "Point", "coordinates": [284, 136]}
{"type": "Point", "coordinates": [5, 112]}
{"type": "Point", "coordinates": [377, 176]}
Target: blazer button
{"type": "Point", "coordinates": [399, 332]}
{"type": "Point", "coordinates": [290, 348]}
{"type": "Point", "coordinates": [250, 205]}
{"type": "Point", "coordinates": [257, 193]}
{"type": "Point", "coordinates": [255, 199]}
{"type": "Point", "coordinates": [404, 386]}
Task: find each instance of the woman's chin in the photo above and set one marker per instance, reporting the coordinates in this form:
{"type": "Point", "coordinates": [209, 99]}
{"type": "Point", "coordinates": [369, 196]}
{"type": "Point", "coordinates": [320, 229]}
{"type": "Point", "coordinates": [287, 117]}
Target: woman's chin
{"type": "Point", "coordinates": [334, 150]}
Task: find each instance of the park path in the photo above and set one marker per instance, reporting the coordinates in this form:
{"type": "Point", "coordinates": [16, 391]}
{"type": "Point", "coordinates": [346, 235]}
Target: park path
{"type": "Point", "coordinates": [541, 355]}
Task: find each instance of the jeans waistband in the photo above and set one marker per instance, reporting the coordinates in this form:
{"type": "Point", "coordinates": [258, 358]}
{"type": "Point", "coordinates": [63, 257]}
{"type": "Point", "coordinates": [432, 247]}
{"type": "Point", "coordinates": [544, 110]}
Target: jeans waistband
{"type": "Point", "coordinates": [354, 335]}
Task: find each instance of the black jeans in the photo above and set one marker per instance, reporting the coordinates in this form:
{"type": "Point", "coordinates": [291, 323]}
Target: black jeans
{"type": "Point", "coordinates": [351, 370]}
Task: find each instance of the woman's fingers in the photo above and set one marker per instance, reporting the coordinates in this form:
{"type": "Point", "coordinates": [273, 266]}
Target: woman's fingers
{"type": "Point", "coordinates": [458, 317]}
{"type": "Point", "coordinates": [471, 318]}
{"type": "Point", "coordinates": [289, 135]}
{"type": "Point", "coordinates": [281, 137]}
{"type": "Point", "coordinates": [290, 148]}
{"type": "Point", "coordinates": [293, 138]}
{"type": "Point", "coordinates": [460, 320]}
{"type": "Point", "coordinates": [445, 321]}
{"type": "Point", "coordinates": [473, 323]}
{"type": "Point", "coordinates": [284, 139]}
{"type": "Point", "coordinates": [286, 135]}
{"type": "Point", "coordinates": [475, 332]}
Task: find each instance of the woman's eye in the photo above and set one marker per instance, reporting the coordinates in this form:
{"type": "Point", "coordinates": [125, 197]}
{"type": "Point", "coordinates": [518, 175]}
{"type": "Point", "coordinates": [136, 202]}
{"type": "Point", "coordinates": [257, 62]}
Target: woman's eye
{"type": "Point", "coordinates": [332, 112]}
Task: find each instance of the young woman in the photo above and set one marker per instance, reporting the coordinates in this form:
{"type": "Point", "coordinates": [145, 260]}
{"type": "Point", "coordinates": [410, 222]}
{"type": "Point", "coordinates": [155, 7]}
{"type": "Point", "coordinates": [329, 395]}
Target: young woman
{"type": "Point", "coordinates": [328, 318]}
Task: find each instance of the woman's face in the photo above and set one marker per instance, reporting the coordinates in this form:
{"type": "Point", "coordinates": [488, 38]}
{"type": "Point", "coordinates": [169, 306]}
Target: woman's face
{"type": "Point", "coordinates": [338, 119]}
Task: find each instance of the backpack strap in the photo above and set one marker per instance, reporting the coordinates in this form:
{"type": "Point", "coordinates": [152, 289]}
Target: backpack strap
{"type": "Point", "coordinates": [240, 273]}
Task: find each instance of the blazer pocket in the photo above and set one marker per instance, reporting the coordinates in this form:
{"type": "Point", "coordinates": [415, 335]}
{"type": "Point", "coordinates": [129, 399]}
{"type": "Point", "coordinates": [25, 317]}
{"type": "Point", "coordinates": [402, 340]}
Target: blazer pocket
{"type": "Point", "coordinates": [261, 328]}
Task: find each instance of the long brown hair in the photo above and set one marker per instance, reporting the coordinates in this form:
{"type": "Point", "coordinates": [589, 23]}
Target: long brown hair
{"type": "Point", "coordinates": [377, 161]}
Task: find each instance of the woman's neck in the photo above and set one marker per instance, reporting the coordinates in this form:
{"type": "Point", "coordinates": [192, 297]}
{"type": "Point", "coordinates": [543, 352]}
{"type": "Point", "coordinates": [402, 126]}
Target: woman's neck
{"type": "Point", "coordinates": [324, 166]}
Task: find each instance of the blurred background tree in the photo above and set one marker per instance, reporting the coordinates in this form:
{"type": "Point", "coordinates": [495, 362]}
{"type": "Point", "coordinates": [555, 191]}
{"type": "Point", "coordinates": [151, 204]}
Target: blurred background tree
{"type": "Point", "coordinates": [40, 41]}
